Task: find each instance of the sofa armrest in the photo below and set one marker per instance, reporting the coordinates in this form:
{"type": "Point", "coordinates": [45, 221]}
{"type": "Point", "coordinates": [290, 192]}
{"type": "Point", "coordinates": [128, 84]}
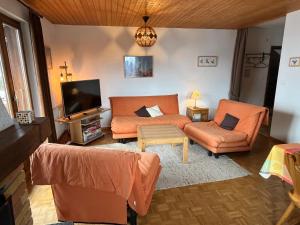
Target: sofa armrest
{"type": "Point", "coordinates": [144, 186]}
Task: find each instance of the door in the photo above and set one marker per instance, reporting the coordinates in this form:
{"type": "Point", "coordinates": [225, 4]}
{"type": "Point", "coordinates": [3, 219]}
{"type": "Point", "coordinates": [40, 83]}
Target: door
{"type": "Point", "coordinates": [14, 88]}
{"type": "Point", "coordinates": [272, 77]}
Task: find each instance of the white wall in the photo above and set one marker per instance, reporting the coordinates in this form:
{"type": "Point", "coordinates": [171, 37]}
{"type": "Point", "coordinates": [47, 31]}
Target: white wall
{"type": "Point", "coordinates": [286, 117]}
{"type": "Point", "coordinates": [97, 52]}
{"type": "Point", "coordinates": [255, 79]}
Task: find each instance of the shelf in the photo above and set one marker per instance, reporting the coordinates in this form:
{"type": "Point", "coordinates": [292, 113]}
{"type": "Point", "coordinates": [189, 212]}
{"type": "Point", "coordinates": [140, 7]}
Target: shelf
{"type": "Point", "coordinates": [81, 116]}
{"type": "Point", "coordinates": [87, 124]}
{"type": "Point", "coordinates": [18, 142]}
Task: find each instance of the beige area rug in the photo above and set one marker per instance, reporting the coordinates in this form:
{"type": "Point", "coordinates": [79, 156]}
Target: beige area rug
{"type": "Point", "coordinates": [199, 169]}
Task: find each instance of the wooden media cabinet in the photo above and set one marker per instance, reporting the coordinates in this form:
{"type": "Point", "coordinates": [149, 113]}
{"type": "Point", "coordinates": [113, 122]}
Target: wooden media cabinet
{"type": "Point", "coordinates": [85, 127]}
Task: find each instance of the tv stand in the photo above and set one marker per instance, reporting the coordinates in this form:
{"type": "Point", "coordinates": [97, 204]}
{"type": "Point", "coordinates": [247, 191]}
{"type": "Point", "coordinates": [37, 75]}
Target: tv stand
{"type": "Point", "coordinates": [84, 127]}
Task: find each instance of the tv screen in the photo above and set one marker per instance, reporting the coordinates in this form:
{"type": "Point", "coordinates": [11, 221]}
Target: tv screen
{"type": "Point", "coordinates": [80, 96]}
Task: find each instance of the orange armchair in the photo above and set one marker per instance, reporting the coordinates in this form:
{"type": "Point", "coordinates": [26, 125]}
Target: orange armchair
{"type": "Point", "coordinates": [96, 185]}
{"type": "Point", "coordinates": [218, 140]}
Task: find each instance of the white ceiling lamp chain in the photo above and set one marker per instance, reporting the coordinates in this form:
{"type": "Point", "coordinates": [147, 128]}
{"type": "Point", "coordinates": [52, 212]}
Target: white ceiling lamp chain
{"type": "Point", "coordinates": [145, 36]}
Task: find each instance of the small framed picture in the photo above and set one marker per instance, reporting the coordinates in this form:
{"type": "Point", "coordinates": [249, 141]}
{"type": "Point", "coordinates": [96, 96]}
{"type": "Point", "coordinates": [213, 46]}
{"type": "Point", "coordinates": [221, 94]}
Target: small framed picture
{"type": "Point", "coordinates": [294, 62]}
{"type": "Point", "coordinates": [207, 61]}
{"type": "Point", "coordinates": [48, 58]}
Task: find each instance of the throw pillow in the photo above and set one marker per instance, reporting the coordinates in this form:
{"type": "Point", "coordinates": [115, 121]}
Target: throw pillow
{"type": "Point", "coordinates": [229, 122]}
{"type": "Point", "coordinates": [154, 111]}
{"type": "Point", "coordinates": [142, 112]}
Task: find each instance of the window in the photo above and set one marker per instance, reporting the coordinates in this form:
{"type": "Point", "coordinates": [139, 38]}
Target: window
{"type": "Point", "coordinates": [4, 94]}
{"type": "Point", "coordinates": [14, 88]}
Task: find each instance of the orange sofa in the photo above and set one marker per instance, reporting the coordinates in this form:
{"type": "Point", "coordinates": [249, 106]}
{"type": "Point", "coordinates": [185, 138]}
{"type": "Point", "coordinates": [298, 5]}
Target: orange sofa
{"type": "Point", "coordinates": [96, 185]}
{"type": "Point", "coordinates": [218, 140]}
{"type": "Point", "coordinates": [125, 121]}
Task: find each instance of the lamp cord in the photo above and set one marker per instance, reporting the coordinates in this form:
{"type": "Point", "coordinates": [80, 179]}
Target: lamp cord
{"type": "Point", "coordinates": [146, 5]}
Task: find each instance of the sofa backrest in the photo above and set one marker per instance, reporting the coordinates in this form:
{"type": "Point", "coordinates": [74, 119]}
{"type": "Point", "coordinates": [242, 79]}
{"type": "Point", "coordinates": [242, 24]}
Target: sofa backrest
{"type": "Point", "coordinates": [108, 170]}
{"type": "Point", "coordinates": [127, 105]}
{"type": "Point", "coordinates": [250, 117]}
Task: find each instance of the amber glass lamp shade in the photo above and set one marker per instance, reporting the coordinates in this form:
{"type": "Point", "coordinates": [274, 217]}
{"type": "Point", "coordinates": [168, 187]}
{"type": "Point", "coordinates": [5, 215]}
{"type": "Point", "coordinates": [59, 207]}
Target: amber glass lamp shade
{"type": "Point", "coordinates": [145, 36]}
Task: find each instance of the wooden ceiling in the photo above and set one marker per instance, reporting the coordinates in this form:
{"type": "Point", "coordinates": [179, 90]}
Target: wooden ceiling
{"type": "Point", "coordinates": [163, 13]}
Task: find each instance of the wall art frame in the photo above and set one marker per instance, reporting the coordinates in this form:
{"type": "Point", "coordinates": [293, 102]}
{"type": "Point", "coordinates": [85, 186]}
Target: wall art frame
{"type": "Point", "coordinates": [207, 61]}
{"type": "Point", "coordinates": [138, 66]}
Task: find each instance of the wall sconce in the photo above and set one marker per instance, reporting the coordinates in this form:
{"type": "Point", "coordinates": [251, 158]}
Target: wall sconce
{"type": "Point", "coordinates": [65, 76]}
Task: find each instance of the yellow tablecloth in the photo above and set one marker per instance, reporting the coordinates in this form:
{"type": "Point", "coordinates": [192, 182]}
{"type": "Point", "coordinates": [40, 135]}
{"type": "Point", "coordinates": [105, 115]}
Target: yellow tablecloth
{"type": "Point", "coordinates": [274, 164]}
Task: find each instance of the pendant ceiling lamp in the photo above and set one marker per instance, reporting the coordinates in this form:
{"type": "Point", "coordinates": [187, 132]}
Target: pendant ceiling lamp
{"type": "Point", "coordinates": [145, 36]}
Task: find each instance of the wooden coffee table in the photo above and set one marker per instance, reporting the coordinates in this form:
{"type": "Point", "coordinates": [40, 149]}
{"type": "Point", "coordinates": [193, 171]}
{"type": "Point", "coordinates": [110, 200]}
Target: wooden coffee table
{"type": "Point", "coordinates": [162, 134]}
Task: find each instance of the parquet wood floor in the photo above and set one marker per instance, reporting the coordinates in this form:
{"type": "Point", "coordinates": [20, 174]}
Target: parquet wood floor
{"type": "Point", "coordinates": [249, 200]}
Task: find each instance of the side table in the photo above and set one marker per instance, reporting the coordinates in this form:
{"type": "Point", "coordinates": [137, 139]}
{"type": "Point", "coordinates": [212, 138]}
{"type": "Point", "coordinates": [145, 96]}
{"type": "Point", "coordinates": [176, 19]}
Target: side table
{"type": "Point", "coordinates": [191, 111]}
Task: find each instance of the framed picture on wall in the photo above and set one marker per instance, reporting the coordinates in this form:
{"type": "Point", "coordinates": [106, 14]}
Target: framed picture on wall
{"type": "Point", "coordinates": [294, 62]}
{"type": "Point", "coordinates": [138, 66]}
{"type": "Point", "coordinates": [207, 61]}
{"type": "Point", "coordinates": [48, 58]}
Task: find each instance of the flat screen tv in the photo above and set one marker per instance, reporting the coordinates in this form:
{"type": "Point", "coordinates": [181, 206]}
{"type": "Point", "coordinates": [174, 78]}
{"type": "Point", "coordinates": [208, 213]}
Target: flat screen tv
{"type": "Point", "coordinates": [79, 96]}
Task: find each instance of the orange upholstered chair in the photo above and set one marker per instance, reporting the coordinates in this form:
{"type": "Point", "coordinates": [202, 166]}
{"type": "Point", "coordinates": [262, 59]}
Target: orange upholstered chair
{"type": "Point", "coordinates": [218, 140]}
{"type": "Point", "coordinates": [96, 185]}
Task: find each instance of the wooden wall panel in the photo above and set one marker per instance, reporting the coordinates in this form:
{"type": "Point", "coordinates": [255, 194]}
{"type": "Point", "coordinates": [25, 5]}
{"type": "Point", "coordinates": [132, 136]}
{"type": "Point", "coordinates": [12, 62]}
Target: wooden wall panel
{"type": "Point", "coordinates": [163, 13]}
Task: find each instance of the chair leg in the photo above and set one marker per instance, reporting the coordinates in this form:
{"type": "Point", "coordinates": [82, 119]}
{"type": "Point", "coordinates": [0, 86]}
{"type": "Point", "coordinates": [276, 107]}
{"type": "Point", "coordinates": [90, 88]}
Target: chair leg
{"type": "Point", "coordinates": [216, 155]}
{"type": "Point", "coordinates": [286, 214]}
{"type": "Point", "coordinates": [132, 216]}
{"type": "Point", "coordinates": [209, 153]}
{"type": "Point", "coordinates": [192, 142]}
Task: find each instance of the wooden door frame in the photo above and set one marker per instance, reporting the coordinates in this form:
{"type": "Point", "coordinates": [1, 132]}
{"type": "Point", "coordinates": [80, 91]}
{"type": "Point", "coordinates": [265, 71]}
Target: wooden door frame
{"type": "Point", "coordinates": [8, 74]}
{"type": "Point", "coordinates": [10, 21]}
{"type": "Point", "coordinates": [268, 77]}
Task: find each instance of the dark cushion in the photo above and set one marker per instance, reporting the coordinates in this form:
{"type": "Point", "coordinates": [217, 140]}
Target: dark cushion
{"type": "Point", "coordinates": [229, 122]}
{"type": "Point", "coordinates": [142, 112]}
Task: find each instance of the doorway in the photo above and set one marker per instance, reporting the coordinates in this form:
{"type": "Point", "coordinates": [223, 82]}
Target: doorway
{"type": "Point", "coordinates": [272, 78]}
{"type": "Point", "coordinates": [262, 57]}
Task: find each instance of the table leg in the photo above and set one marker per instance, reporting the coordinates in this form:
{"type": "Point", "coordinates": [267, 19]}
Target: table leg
{"type": "Point", "coordinates": [139, 143]}
{"type": "Point", "coordinates": [143, 146]}
{"type": "Point", "coordinates": [205, 117]}
{"type": "Point", "coordinates": [185, 149]}
{"type": "Point", "coordinates": [286, 214]}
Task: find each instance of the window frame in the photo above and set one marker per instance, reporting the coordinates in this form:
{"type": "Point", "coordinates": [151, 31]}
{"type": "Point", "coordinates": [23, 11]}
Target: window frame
{"type": "Point", "coordinates": [7, 70]}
